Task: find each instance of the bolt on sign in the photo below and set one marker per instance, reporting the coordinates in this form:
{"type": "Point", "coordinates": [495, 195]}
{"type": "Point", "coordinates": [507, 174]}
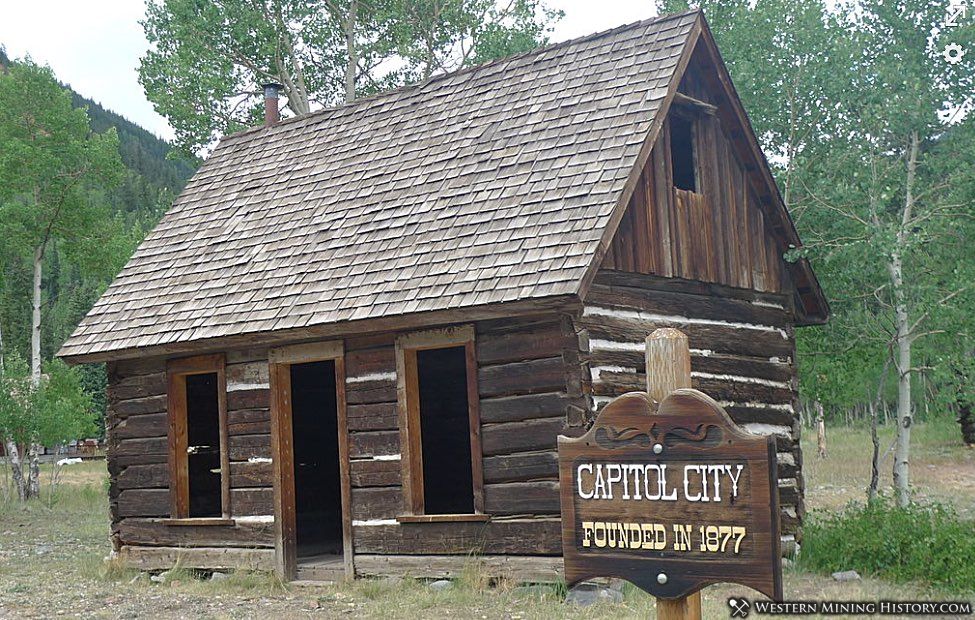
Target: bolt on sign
{"type": "Point", "coordinates": [671, 498]}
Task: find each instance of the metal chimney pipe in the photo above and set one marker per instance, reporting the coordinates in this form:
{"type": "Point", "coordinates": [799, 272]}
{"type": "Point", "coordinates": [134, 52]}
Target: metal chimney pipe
{"type": "Point", "coordinates": [271, 113]}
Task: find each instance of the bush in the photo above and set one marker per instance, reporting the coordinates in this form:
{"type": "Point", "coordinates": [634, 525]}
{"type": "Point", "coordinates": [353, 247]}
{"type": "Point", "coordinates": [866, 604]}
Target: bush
{"type": "Point", "coordinates": [923, 543]}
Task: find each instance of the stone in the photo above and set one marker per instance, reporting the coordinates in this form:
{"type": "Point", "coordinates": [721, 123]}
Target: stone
{"type": "Point", "coordinates": [586, 594]}
{"type": "Point", "coordinates": [440, 585]}
{"type": "Point", "coordinates": [217, 576]}
{"type": "Point", "coordinates": [846, 575]}
{"type": "Point", "coordinates": [43, 549]}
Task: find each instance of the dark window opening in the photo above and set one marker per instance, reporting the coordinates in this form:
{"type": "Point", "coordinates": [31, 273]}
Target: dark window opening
{"type": "Point", "coordinates": [318, 489]}
{"type": "Point", "coordinates": [445, 431]}
{"type": "Point", "coordinates": [203, 441]}
{"type": "Point", "coordinates": [682, 153]}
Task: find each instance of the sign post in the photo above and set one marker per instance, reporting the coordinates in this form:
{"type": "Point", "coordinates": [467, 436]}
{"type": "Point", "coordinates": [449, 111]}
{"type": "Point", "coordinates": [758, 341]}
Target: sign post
{"type": "Point", "coordinates": [667, 492]}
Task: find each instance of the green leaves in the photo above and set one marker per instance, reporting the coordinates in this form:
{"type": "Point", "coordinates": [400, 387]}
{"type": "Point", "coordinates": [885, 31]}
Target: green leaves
{"type": "Point", "coordinates": [208, 59]}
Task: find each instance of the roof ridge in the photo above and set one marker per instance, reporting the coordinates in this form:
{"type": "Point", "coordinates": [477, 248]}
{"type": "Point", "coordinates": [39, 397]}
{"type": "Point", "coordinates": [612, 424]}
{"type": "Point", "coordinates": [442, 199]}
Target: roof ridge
{"type": "Point", "coordinates": [463, 70]}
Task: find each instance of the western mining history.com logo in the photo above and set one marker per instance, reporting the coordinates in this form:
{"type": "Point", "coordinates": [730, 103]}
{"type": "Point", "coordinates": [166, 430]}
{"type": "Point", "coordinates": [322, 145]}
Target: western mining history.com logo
{"type": "Point", "coordinates": [740, 607]}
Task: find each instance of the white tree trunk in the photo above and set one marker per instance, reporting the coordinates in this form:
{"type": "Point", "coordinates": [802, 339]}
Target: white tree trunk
{"type": "Point", "coordinates": [903, 337]}
{"type": "Point", "coordinates": [820, 430]}
{"type": "Point", "coordinates": [35, 319]}
{"type": "Point", "coordinates": [17, 470]}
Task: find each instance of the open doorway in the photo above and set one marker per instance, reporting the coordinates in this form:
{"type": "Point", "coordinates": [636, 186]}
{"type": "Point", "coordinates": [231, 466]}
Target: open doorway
{"type": "Point", "coordinates": [318, 487]}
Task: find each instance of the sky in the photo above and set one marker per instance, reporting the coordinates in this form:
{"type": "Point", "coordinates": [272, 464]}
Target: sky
{"type": "Point", "coordinates": [95, 46]}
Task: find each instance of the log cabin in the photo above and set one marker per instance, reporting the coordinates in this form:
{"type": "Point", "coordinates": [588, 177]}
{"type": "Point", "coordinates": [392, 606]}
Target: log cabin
{"type": "Point", "coordinates": [349, 346]}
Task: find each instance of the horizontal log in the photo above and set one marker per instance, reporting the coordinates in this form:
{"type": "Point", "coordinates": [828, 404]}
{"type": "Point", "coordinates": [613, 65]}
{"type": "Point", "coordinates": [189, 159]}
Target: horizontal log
{"type": "Point", "coordinates": [531, 569]}
{"type": "Point", "coordinates": [144, 503]}
{"type": "Point", "coordinates": [245, 474]}
{"type": "Point", "coordinates": [613, 384]}
{"type": "Point", "coordinates": [248, 421]}
{"type": "Point", "coordinates": [376, 503]}
{"type": "Point", "coordinates": [370, 361]}
{"type": "Point", "coordinates": [242, 356]}
{"type": "Point", "coordinates": [524, 407]}
{"type": "Point", "coordinates": [746, 415]}
{"type": "Point", "coordinates": [137, 406]}
{"type": "Point", "coordinates": [688, 287]}
{"type": "Point", "coordinates": [520, 536]}
{"type": "Point", "coordinates": [243, 447]}
{"type": "Point", "coordinates": [521, 436]}
{"type": "Point", "coordinates": [251, 502]}
{"type": "Point", "coordinates": [521, 467]}
{"type": "Point", "coordinates": [247, 374]}
{"type": "Point", "coordinates": [157, 533]}
{"type": "Point", "coordinates": [372, 417]}
{"type": "Point", "coordinates": [525, 342]}
{"type": "Point", "coordinates": [137, 386]}
{"type": "Point", "coordinates": [140, 447]}
{"type": "Point", "coordinates": [533, 377]}
{"type": "Point", "coordinates": [141, 426]}
{"type": "Point", "coordinates": [212, 558]}
{"type": "Point", "coordinates": [373, 443]}
{"type": "Point", "coordinates": [714, 364]}
{"type": "Point", "coordinates": [512, 498]}
{"type": "Point", "coordinates": [122, 369]}
{"type": "Point", "coordinates": [367, 392]}
{"type": "Point", "coordinates": [692, 306]}
{"type": "Point", "coordinates": [249, 399]}
{"type": "Point", "coordinates": [718, 338]}
{"type": "Point", "coordinates": [155, 476]}
{"type": "Point", "coordinates": [375, 473]}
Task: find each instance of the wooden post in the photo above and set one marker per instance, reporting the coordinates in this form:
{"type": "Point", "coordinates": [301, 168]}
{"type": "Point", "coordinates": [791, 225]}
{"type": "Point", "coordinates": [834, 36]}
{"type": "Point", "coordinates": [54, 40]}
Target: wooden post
{"type": "Point", "coordinates": [669, 368]}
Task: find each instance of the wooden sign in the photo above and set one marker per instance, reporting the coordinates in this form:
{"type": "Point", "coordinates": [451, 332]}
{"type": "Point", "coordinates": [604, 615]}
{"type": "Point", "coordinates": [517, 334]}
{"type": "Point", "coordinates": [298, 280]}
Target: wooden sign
{"type": "Point", "coordinates": [671, 499]}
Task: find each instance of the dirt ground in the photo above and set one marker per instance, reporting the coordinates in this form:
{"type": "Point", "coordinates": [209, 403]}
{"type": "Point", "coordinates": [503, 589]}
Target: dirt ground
{"type": "Point", "coordinates": [52, 560]}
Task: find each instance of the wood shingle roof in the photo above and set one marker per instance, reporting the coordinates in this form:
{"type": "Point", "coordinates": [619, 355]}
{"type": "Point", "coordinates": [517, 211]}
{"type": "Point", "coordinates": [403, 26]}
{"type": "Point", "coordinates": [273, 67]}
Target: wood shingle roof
{"type": "Point", "coordinates": [489, 185]}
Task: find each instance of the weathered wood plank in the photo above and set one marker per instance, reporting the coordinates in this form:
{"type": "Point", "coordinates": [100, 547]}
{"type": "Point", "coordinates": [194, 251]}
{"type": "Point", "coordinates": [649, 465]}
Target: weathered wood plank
{"type": "Point", "coordinates": [515, 536]}
{"type": "Point", "coordinates": [534, 569]}
{"type": "Point", "coordinates": [532, 377]}
{"type": "Point", "coordinates": [521, 467]}
{"type": "Point", "coordinates": [521, 436]}
{"type": "Point", "coordinates": [374, 443]}
{"type": "Point", "coordinates": [137, 386]}
{"type": "Point", "coordinates": [522, 498]}
{"type": "Point", "coordinates": [154, 476]}
{"type": "Point", "coordinates": [156, 533]}
{"type": "Point", "coordinates": [243, 447]}
{"type": "Point", "coordinates": [377, 503]}
{"type": "Point", "coordinates": [215, 558]}
{"type": "Point", "coordinates": [247, 474]}
{"type": "Point", "coordinates": [376, 473]}
{"type": "Point", "coordinates": [252, 501]}
{"type": "Point", "coordinates": [372, 417]}
{"type": "Point", "coordinates": [534, 340]}
{"type": "Point", "coordinates": [248, 421]}
{"type": "Point", "coordinates": [524, 407]}
{"type": "Point", "coordinates": [249, 399]}
{"type": "Point", "coordinates": [141, 426]}
{"type": "Point", "coordinates": [368, 392]}
{"type": "Point", "coordinates": [144, 503]}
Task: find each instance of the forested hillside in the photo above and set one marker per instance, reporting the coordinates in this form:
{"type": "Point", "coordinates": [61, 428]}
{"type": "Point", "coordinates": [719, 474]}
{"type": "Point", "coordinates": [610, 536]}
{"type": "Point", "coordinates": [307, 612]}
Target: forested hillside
{"type": "Point", "coordinates": [72, 283]}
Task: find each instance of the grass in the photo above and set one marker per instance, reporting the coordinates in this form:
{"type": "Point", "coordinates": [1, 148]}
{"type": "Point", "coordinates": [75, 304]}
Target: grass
{"type": "Point", "coordinates": [52, 558]}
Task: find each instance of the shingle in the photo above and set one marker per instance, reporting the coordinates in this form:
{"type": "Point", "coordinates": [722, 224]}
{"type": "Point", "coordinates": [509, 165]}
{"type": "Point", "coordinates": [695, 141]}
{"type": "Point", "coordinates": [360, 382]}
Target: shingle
{"type": "Point", "coordinates": [487, 185]}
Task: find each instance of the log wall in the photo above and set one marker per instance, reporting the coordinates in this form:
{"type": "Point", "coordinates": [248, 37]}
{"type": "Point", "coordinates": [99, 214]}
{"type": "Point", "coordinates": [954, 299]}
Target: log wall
{"type": "Point", "coordinates": [138, 453]}
{"type": "Point", "coordinates": [742, 355]}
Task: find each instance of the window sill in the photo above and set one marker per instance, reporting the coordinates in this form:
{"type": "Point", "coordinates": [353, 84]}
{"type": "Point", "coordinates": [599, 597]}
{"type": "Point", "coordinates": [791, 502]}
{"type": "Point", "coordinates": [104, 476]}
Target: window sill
{"type": "Point", "coordinates": [443, 518]}
{"type": "Point", "coordinates": [199, 521]}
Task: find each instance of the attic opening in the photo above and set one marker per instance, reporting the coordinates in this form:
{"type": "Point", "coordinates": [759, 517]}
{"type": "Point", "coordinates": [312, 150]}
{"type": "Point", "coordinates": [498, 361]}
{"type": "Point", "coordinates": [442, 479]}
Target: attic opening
{"type": "Point", "coordinates": [682, 156]}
